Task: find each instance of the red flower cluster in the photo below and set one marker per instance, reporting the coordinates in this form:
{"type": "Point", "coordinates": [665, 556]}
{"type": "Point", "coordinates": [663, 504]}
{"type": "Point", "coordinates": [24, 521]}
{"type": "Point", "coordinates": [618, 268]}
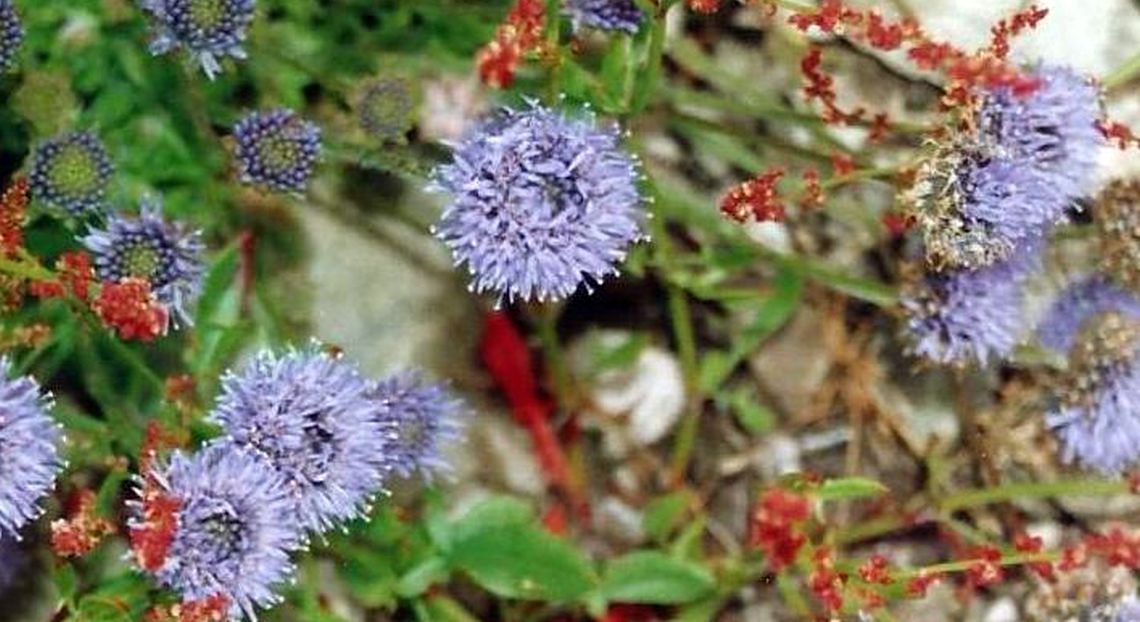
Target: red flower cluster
{"type": "Point", "coordinates": [875, 570]}
{"type": "Point", "coordinates": [756, 198]}
{"type": "Point", "coordinates": [919, 583]}
{"type": "Point", "coordinates": [13, 203]}
{"type": "Point", "coordinates": [83, 531]}
{"type": "Point", "coordinates": [213, 608]}
{"type": "Point", "coordinates": [130, 308]}
{"type": "Point", "coordinates": [73, 275]}
{"type": "Point", "coordinates": [774, 525]}
{"type": "Point", "coordinates": [519, 34]}
{"type": "Point", "coordinates": [151, 538]}
{"type": "Point", "coordinates": [986, 67]}
{"type": "Point", "coordinates": [1026, 543]}
{"type": "Point", "coordinates": [824, 581]}
{"type": "Point", "coordinates": [1117, 132]}
{"type": "Point", "coordinates": [986, 568]}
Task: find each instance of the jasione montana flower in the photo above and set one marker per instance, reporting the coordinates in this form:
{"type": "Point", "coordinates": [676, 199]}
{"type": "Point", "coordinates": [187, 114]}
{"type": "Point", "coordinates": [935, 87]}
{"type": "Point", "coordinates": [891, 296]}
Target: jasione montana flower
{"type": "Point", "coordinates": [1078, 302]}
{"type": "Point", "coordinates": [308, 412]}
{"type": "Point", "coordinates": [540, 204]}
{"type": "Point", "coordinates": [168, 255]}
{"type": "Point", "coordinates": [963, 315]}
{"type": "Point", "coordinates": [620, 15]}
{"type": "Point", "coordinates": [276, 149]}
{"type": "Point", "coordinates": [208, 29]}
{"type": "Point", "coordinates": [11, 34]}
{"type": "Point", "coordinates": [235, 527]}
{"type": "Point", "coordinates": [29, 453]}
{"type": "Point", "coordinates": [71, 171]}
{"type": "Point", "coordinates": [422, 418]}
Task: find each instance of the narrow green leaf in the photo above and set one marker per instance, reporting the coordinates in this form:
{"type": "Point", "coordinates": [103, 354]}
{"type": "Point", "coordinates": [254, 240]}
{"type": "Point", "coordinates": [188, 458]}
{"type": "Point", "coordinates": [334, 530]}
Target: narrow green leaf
{"type": "Point", "coordinates": [849, 487]}
{"type": "Point", "coordinates": [523, 561]}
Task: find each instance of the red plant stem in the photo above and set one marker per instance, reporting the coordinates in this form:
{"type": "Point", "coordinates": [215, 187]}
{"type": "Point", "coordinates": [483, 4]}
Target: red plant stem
{"type": "Point", "coordinates": [505, 354]}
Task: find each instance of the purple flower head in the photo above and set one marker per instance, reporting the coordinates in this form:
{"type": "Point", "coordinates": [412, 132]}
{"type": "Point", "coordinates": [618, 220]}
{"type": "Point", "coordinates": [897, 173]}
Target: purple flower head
{"type": "Point", "coordinates": [277, 149]}
{"type": "Point", "coordinates": [167, 254]}
{"type": "Point", "coordinates": [964, 315]}
{"type": "Point", "coordinates": [1078, 302]}
{"type": "Point", "coordinates": [422, 419]}
{"type": "Point", "coordinates": [236, 527]}
{"type": "Point", "coordinates": [309, 414]}
{"type": "Point", "coordinates": [11, 34]}
{"type": "Point", "coordinates": [71, 171]}
{"type": "Point", "coordinates": [386, 108]}
{"type": "Point", "coordinates": [540, 204]}
{"type": "Point", "coordinates": [1053, 129]}
{"type": "Point", "coordinates": [620, 15]}
{"type": "Point", "coordinates": [208, 29]}
{"type": "Point", "coordinates": [1097, 420]}
{"type": "Point", "coordinates": [29, 453]}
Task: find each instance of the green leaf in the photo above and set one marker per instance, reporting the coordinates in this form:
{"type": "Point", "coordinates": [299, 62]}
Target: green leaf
{"type": "Point", "coordinates": [523, 561]}
{"type": "Point", "coordinates": [496, 511]}
{"type": "Point", "coordinates": [750, 413]}
{"type": "Point", "coordinates": [849, 487]}
{"type": "Point", "coordinates": [652, 577]}
{"type": "Point", "coordinates": [369, 576]}
{"type": "Point", "coordinates": [417, 580]}
{"type": "Point", "coordinates": [65, 583]}
{"type": "Point", "coordinates": [664, 514]}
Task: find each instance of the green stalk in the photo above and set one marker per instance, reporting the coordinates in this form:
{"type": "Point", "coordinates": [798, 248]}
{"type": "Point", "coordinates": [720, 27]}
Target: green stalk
{"type": "Point", "coordinates": [1123, 74]}
{"type": "Point", "coordinates": [1008, 492]}
{"type": "Point", "coordinates": [547, 316]}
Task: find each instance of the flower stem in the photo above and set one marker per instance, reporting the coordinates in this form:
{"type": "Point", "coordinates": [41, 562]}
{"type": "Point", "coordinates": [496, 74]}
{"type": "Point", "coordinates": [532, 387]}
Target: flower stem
{"type": "Point", "coordinates": [547, 316]}
{"type": "Point", "coordinates": [1123, 74]}
{"type": "Point", "coordinates": [1007, 492]}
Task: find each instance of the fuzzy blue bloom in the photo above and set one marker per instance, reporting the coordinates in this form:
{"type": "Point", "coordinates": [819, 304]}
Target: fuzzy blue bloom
{"type": "Point", "coordinates": [208, 29]}
{"type": "Point", "coordinates": [620, 15]}
{"type": "Point", "coordinates": [540, 204]}
{"type": "Point", "coordinates": [167, 254]}
{"type": "Point", "coordinates": [11, 34]}
{"type": "Point", "coordinates": [1054, 128]}
{"type": "Point", "coordinates": [1078, 302]}
{"type": "Point", "coordinates": [277, 149]}
{"type": "Point", "coordinates": [422, 418]}
{"type": "Point", "coordinates": [964, 315]}
{"type": "Point", "coordinates": [309, 414]}
{"type": "Point", "coordinates": [236, 527]}
{"type": "Point", "coordinates": [29, 453]}
{"type": "Point", "coordinates": [71, 171]}
{"type": "Point", "coordinates": [1097, 420]}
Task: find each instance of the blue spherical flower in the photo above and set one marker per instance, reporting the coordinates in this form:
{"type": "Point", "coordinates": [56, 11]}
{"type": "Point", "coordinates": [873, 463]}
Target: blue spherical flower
{"type": "Point", "coordinates": [964, 315]}
{"type": "Point", "coordinates": [976, 207]}
{"type": "Point", "coordinates": [166, 254]}
{"type": "Point", "coordinates": [1078, 302]}
{"type": "Point", "coordinates": [540, 204]}
{"type": "Point", "coordinates": [11, 34]}
{"type": "Point", "coordinates": [309, 413]}
{"type": "Point", "coordinates": [277, 149]}
{"type": "Point", "coordinates": [208, 29]}
{"type": "Point", "coordinates": [1097, 420]}
{"type": "Point", "coordinates": [235, 527]}
{"type": "Point", "coordinates": [620, 15]}
{"type": "Point", "coordinates": [1053, 129]}
{"type": "Point", "coordinates": [422, 418]}
{"type": "Point", "coordinates": [71, 171]}
{"type": "Point", "coordinates": [29, 453]}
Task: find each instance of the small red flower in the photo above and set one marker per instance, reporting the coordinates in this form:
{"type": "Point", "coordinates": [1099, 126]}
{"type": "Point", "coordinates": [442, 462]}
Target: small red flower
{"type": "Point", "coordinates": [986, 568]}
{"type": "Point", "coordinates": [918, 584]}
{"type": "Point", "coordinates": [824, 581]}
{"type": "Point", "coordinates": [756, 198]}
{"type": "Point", "coordinates": [75, 272]}
{"type": "Point", "coordinates": [876, 570]}
{"type": "Point", "coordinates": [704, 6]}
{"type": "Point", "coordinates": [83, 530]}
{"type": "Point", "coordinates": [131, 309]}
{"type": "Point", "coordinates": [519, 34]}
{"type": "Point", "coordinates": [774, 525]}
{"type": "Point", "coordinates": [151, 538]}
{"type": "Point", "coordinates": [13, 203]}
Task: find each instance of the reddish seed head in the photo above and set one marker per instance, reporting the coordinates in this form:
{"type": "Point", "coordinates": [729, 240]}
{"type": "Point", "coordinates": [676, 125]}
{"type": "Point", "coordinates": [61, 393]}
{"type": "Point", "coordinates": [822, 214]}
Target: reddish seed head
{"type": "Point", "coordinates": [82, 531]}
{"type": "Point", "coordinates": [774, 525]}
{"type": "Point", "coordinates": [131, 309]}
{"type": "Point", "coordinates": [13, 202]}
{"type": "Point", "coordinates": [757, 198]}
{"type": "Point", "coordinates": [150, 539]}
{"type": "Point", "coordinates": [704, 6]}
